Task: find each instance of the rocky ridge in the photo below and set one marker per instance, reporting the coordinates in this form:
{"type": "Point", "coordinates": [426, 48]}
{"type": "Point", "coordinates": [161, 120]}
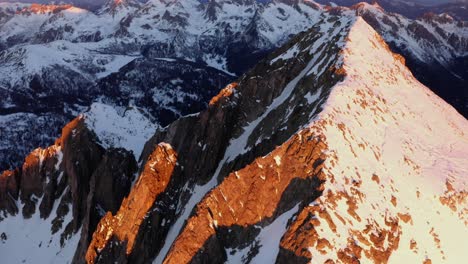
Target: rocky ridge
{"type": "Point", "coordinates": [341, 216]}
{"type": "Point", "coordinates": [55, 196]}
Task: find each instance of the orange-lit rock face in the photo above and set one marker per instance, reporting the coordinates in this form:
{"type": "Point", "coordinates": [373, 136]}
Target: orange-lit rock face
{"type": "Point", "coordinates": [455, 199]}
{"type": "Point", "coordinates": [9, 181]}
{"type": "Point", "coordinates": [226, 92]}
{"type": "Point", "coordinates": [153, 181]}
{"type": "Point", "coordinates": [34, 164]}
{"type": "Point", "coordinates": [43, 9]}
{"type": "Point", "coordinates": [39, 165]}
{"type": "Point", "coordinates": [262, 190]}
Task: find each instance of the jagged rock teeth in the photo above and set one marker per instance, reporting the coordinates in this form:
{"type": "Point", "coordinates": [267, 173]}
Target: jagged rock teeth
{"type": "Point", "coordinates": [117, 236]}
{"type": "Point", "coordinates": [66, 187]}
{"type": "Point", "coordinates": [251, 198]}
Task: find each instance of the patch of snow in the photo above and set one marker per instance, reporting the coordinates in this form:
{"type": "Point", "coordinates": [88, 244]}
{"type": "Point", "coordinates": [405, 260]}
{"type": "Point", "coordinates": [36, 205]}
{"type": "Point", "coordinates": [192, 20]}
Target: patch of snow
{"type": "Point", "coordinates": [31, 241]}
{"type": "Point", "coordinates": [129, 130]}
{"type": "Point", "coordinates": [268, 240]}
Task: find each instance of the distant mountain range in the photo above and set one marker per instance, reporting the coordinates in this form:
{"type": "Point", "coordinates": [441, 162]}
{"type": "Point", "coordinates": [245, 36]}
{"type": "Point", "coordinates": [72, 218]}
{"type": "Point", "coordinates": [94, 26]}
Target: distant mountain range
{"type": "Point", "coordinates": [410, 8]}
{"type": "Point", "coordinates": [169, 59]}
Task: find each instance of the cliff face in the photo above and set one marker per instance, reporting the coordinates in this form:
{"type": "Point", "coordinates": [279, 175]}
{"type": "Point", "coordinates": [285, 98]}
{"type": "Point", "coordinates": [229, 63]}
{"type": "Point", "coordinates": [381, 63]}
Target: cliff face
{"type": "Point", "coordinates": [319, 153]}
{"type": "Point", "coordinates": [131, 222]}
{"type": "Point", "coordinates": [214, 143]}
{"type": "Point", "coordinates": [63, 191]}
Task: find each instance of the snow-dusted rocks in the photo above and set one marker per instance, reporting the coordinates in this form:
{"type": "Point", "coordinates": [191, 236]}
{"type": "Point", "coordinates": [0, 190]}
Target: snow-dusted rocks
{"type": "Point", "coordinates": [53, 203]}
{"type": "Point", "coordinates": [383, 159]}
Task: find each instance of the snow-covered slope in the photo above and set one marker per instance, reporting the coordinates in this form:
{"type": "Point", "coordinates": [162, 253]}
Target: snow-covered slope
{"type": "Point", "coordinates": [432, 37]}
{"type": "Point", "coordinates": [435, 48]}
{"type": "Point", "coordinates": [348, 158]}
{"type": "Point", "coordinates": [397, 163]}
{"type": "Point", "coordinates": [129, 129]}
{"type": "Point", "coordinates": [30, 240]}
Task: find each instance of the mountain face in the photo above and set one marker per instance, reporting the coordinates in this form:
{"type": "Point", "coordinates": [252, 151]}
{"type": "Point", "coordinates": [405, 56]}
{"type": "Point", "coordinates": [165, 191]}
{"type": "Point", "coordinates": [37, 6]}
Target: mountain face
{"type": "Point", "coordinates": [166, 59]}
{"type": "Point", "coordinates": [328, 150]}
{"type": "Point", "coordinates": [437, 59]}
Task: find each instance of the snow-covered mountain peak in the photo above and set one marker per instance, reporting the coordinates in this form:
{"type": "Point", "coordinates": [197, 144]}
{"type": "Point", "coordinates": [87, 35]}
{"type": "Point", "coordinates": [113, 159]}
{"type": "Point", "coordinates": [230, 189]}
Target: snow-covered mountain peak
{"type": "Point", "coordinates": [396, 163]}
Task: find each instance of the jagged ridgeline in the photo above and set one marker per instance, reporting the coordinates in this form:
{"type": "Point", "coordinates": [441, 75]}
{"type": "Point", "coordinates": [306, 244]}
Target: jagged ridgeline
{"type": "Point", "coordinates": [328, 150]}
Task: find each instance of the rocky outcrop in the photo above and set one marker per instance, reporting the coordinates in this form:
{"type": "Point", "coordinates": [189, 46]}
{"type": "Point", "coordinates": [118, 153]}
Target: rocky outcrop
{"type": "Point", "coordinates": [110, 183]}
{"type": "Point", "coordinates": [9, 191]}
{"type": "Point", "coordinates": [83, 157]}
{"type": "Point", "coordinates": [75, 174]}
{"type": "Point", "coordinates": [119, 236]}
{"type": "Point", "coordinates": [234, 212]}
{"type": "Point", "coordinates": [39, 168]}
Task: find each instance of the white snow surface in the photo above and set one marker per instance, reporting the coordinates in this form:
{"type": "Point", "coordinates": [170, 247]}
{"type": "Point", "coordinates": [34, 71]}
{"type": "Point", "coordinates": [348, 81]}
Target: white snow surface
{"type": "Point", "coordinates": [128, 129]}
{"type": "Point", "coordinates": [383, 122]}
{"type": "Point", "coordinates": [31, 241]}
{"type": "Point", "coordinates": [268, 240]}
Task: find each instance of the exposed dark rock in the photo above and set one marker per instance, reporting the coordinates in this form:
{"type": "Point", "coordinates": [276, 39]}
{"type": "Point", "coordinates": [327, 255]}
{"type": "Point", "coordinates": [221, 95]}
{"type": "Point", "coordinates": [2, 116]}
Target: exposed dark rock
{"type": "Point", "coordinates": [109, 185]}
{"type": "Point", "coordinates": [121, 233]}
{"type": "Point", "coordinates": [9, 190]}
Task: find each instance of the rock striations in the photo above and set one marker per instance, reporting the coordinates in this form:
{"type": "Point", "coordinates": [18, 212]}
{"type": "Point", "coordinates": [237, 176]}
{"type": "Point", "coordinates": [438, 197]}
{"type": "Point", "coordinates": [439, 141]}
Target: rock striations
{"type": "Point", "coordinates": [333, 164]}
{"type": "Point", "coordinates": [327, 151]}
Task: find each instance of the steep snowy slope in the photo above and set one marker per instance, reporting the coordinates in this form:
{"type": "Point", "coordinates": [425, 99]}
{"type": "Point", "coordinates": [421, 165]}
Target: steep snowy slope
{"type": "Point", "coordinates": [349, 158]}
{"type": "Point", "coordinates": [50, 204]}
{"type": "Point", "coordinates": [435, 48]}
{"type": "Point", "coordinates": [396, 164]}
